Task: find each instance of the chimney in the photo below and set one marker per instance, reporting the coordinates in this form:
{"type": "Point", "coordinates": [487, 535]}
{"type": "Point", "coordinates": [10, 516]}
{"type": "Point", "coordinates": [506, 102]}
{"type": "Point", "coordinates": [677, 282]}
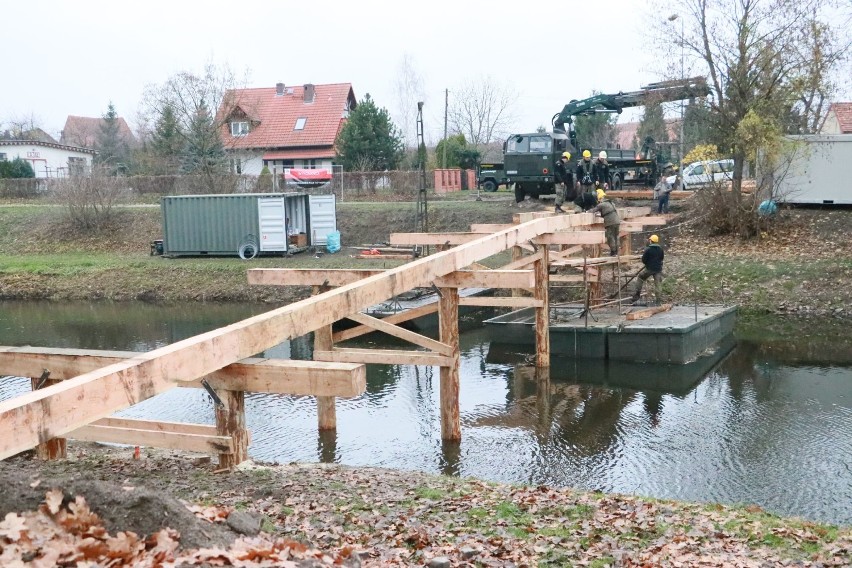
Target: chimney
{"type": "Point", "coordinates": [309, 93]}
{"type": "Point", "coordinates": [279, 89]}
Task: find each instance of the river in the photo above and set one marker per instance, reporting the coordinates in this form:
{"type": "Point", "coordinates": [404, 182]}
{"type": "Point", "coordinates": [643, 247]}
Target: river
{"type": "Point", "coordinates": [768, 421]}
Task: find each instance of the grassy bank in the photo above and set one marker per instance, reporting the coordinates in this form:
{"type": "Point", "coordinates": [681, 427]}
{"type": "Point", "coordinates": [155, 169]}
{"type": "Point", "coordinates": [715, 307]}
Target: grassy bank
{"type": "Point", "coordinates": [803, 267]}
{"type": "Point", "coordinates": [402, 518]}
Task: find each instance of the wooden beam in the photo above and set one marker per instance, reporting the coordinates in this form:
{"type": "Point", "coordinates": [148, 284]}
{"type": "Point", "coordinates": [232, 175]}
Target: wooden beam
{"type": "Point", "coordinates": [307, 276]}
{"type": "Point", "coordinates": [522, 261]}
{"type": "Point", "coordinates": [55, 448]}
{"type": "Point", "coordinates": [169, 440]}
{"type": "Point", "coordinates": [572, 238]}
{"type": "Point", "coordinates": [432, 238]}
{"type": "Point", "coordinates": [542, 311]}
{"type": "Point", "coordinates": [563, 278]}
{"type": "Point", "coordinates": [648, 312]}
{"type": "Point", "coordinates": [231, 425]}
{"type": "Point", "coordinates": [518, 218]}
{"type": "Point", "coordinates": [575, 262]}
{"type": "Point", "coordinates": [384, 357]}
{"type": "Point", "coordinates": [448, 316]}
{"type": "Point", "coordinates": [324, 341]}
{"type": "Point", "coordinates": [399, 317]}
{"type": "Point", "coordinates": [404, 334]}
{"type": "Point", "coordinates": [56, 410]}
{"type": "Point", "coordinates": [487, 279]}
{"type": "Point", "coordinates": [489, 227]}
{"type": "Point", "coordinates": [277, 376]}
{"type": "Point", "coordinates": [157, 426]}
{"type": "Point", "coordinates": [490, 301]}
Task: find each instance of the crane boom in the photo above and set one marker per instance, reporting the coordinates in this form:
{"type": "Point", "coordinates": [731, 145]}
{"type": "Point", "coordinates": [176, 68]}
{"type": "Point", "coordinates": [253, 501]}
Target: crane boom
{"type": "Point", "coordinates": [662, 92]}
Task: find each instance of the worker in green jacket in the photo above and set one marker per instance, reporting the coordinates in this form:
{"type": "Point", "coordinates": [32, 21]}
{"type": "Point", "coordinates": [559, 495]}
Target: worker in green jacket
{"type": "Point", "coordinates": [612, 222]}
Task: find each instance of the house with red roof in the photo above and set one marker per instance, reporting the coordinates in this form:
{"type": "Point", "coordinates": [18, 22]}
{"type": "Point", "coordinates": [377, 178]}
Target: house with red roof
{"type": "Point", "coordinates": [284, 127]}
{"type": "Point", "coordinates": [83, 131]}
{"type": "Point", "coordinates": [838, 120]}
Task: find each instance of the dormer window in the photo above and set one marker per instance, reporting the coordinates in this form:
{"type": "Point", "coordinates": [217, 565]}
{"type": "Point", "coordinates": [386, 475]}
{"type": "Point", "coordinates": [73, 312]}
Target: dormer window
{"type": "Point", "coordinates": [300, 124]}
{"type": "Point", "coordinates": [239, 128]}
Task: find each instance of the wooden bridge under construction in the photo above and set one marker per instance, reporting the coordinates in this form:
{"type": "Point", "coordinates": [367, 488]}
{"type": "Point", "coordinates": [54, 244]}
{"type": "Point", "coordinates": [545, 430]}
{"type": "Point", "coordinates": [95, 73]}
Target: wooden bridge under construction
{"type": "Point", "coordinates": [76, 392]}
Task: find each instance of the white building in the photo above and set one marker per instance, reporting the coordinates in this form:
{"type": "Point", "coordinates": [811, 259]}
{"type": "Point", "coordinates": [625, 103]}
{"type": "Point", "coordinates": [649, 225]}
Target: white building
{"type": "Point", "coordinates": [49, 160]}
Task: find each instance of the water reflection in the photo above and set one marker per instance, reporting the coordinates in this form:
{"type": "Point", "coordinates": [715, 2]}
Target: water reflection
{"type": "Point", "coordinates": [764, 422]}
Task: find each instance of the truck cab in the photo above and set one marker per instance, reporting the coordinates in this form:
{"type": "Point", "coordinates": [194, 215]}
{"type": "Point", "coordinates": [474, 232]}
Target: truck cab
{"type": "Point", "coordinates": [529, 160]}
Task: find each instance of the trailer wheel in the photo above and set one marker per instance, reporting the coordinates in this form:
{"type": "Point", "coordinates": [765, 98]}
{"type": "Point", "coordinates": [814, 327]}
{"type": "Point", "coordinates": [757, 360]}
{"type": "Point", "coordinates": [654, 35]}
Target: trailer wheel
{"type": "Point", "coordinates": [489, 185]}
{"type": "Point", "coordinates": [616, 182]}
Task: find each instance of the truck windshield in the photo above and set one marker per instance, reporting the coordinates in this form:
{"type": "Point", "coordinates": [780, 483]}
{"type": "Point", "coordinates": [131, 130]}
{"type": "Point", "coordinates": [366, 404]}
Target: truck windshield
{"type": "Point", "coordinates": [524, 144]}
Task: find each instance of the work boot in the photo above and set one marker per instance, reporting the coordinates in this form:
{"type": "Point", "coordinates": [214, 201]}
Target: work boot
{"type": "Point", "coordinates": [558, 209]}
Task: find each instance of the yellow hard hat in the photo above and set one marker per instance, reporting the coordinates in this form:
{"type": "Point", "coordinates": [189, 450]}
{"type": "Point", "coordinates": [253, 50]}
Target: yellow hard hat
{"type": "Point", "coordinates": [587, 154]}
{"type": "Point", "coordinates": [654, 239]}
{"type": "Point", "coordinates": [602, 155]}
{"type": "Point", "coordinates": [601, 194]}
{"type": "Point", "coordinates": [566, 155]}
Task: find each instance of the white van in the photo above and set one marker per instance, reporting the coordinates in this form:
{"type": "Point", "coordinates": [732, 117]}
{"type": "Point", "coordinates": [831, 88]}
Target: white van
{"type": "Point", "coordinates": [698, 174]}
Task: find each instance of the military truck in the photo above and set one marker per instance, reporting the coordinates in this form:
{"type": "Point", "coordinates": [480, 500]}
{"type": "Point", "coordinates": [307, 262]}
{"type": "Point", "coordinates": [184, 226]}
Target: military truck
{"type": "Point", "coordinates": [529, 158]}
{"type": "Point", "coordinates": [491, 176]}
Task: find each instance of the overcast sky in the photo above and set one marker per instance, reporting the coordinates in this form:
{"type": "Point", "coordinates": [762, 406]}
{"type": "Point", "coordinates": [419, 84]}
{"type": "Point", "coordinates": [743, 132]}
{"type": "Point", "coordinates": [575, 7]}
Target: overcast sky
{"type": "Point", "coordinates": [74, 57]}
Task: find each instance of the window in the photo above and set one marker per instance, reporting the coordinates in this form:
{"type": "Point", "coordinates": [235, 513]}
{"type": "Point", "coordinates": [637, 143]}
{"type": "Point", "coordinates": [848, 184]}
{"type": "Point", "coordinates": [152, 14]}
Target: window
{"type": "Point", "coordinates": [309, 164]}
{"type": "Point", "coordinates": [518, 144]}
{"type": "Point", "coordinates": [300, 124]}
{"type": "Point", "coordinates": [76, 166]}
{"type": "Point", "coordinates": [239, 128]}
{"type": "Point", "coordinates": [2, 157]}
{"type": "Point", "coordinates": [540, 143]}
{"type": "Point", "coordinates": [697, 171]}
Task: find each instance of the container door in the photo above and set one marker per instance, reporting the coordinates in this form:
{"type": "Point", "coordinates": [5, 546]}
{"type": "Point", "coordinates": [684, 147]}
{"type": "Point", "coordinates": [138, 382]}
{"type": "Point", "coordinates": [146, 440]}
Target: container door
{"type": "Point", "coordinates": [323, 215]}
{"type": "Point", "coordinates": [273, 227]}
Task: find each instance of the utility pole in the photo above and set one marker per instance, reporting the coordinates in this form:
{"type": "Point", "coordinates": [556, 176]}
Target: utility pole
{"type": "Point", "coordinates": [672, 18]}
{"type": "Point", "coordinates": [446, 106]}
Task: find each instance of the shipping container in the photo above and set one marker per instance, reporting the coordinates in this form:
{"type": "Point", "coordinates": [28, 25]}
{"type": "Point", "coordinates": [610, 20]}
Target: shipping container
{"type": "Point", "coordinates": [813, 170]}
{"type": "Point", "coordinates": [245, 224]}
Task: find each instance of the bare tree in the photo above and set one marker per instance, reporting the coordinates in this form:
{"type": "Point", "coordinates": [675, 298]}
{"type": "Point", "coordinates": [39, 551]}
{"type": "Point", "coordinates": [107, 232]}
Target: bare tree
{"type": "Point", "coordinates": [481, 109]}
{"type": "Point", "coordinates": [408, 91]}
{"type": "Point", "coordinates": [768, 63]}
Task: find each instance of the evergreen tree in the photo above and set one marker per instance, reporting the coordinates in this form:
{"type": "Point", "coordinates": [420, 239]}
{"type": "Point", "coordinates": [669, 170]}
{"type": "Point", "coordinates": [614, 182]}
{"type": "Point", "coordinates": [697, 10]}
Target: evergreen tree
{"type": "Point", "coordinates": [167, 142]}
{"type": "Point", "coordinates": [369, 139]}
{"type": "Point", "coordinates": [653, 125]}
{"type": "Point", "coordinates": [203, 151]}
{"type": "Point", "coordinates": [112, 151]}
{"type": "Point", "coordinates": [17, 168]}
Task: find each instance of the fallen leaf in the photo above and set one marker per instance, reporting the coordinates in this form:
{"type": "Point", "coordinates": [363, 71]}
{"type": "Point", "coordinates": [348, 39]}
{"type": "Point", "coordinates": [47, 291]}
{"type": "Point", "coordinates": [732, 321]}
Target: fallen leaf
{"type": "Point", "coordinates": [12, 527]}
{"type": "Point", "coordinates": [53, 500]}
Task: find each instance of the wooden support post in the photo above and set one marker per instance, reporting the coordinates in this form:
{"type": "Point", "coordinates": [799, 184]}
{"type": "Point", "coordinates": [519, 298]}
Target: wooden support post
{"type": "Point", "coordinates": [517, 254]}
{"type": "Point", "coordinates": [542, 314]}
{"type": "Point", "coordinates": [53, 449]}
{"type": "Point", "coordinates": [326, 410]}
{"type": "Point", "coordinates": [231, 422]}
{"type": "Point", "coordinates": [448, 315]}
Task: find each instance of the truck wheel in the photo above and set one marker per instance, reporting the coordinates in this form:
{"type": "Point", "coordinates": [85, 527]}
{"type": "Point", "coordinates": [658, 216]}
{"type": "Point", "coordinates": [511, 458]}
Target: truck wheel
{"type": "Point", "coordinates": [520, 192]}
{"type": "Point", "coordinates": [616, 182]}
{"type": "Point", "coordinates": [489, 185]}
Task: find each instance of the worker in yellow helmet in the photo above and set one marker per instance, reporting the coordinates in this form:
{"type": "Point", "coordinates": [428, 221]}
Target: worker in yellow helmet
{"type": "Point", "coordinates": [564, 180]}
{"type": "Point", "coordinates": [652, 259]}
{"type": "Point", "coordinates": [612, 222]}
{"type": "Point", "coordinates": [585, 173]}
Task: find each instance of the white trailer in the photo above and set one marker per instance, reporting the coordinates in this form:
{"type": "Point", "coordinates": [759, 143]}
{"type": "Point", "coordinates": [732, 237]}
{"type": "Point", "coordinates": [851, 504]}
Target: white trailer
{"type": "Point", "coordinates": [816, 171]}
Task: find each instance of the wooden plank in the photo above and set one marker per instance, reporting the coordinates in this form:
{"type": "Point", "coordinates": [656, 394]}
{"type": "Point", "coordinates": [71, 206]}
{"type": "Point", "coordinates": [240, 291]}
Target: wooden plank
{"type": "Point", "coordinates": [404, 334]}
{"type": "Point", "coordinates": [542, 311]}
{"type": "Point", "coordinates": [432, 238]}
{"type": "Point", "coordinates": [400, 317]}
{"type": "Point", "coordinates": [648, 312]}
{"type": "Point", "coordinates": [522, 262]}
{"type": "Point", "coordinates": [150, 438]}
{"type": "Point", "coordinates": [51, 412]}
{"type": "Point", "coordinates": [324, 341]}
{"type": "Point", "coordinates": [604, 260]}
{"type": "Point", "coordinates": [307, 276]}
{"type": "Point", "coordinates": [55, 448]}
{"type": "Point", "coordinates": [563, 278]}
{"type": "Point", "coordinates": [649, 220]}
{"type": "Point", "coordinates": [384, 357]}
{"type": "Point", "coordinates": [487, 279]}
{"type": "Point", "coordinates": [448, 316]}
{"type": "Point", "coordinates": [385, 256]}
{"type": "Point", "coordinates": [572, 238]}
{"type": "Point", "coordinates": [520, 218]}
{"type": "Point", "coordinates": [278, 376]}
{"type": "Point", "coordinates": [488, 301]}
{"type": "Point", "coordinates": [554, 255]}
{"type": "Point", "coordinates": [489, 227]}
{"type": "Point", "coordinates": [157, 426]}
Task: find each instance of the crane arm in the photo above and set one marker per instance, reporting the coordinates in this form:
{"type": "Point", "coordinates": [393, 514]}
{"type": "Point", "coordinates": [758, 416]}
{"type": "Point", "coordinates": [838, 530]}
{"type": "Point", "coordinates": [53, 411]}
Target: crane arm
{"type": "Point", "coordinates": [662, 92]}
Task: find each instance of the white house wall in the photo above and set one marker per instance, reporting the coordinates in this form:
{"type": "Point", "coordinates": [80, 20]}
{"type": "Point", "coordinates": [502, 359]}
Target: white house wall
{"type": "Point", "coordinates": [46, 161]}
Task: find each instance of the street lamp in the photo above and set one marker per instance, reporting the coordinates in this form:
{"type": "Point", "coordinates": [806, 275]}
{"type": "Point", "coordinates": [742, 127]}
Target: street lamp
{"type": "Point", "coordinates": [672, 18]}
